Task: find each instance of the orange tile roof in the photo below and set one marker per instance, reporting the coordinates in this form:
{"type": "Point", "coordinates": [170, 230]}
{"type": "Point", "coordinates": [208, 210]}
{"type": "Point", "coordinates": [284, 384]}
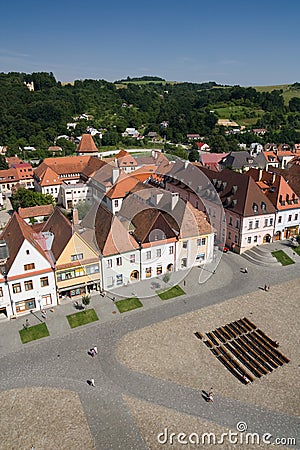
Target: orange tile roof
{"type": "Point", "coordinates": [86, 144]}
{"type": "Point", "coordinates": [127, 161]}
{"type": "Point", "coordinates": [122, 153]}
{"type": "Point", "coordinates": [82, 165]}
{"type": "Point", "coordinates": [125, 183]}
{"type": "Point", "coordinates": [35, 211]}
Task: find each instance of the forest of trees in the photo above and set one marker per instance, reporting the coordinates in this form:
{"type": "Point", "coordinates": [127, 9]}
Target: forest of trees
{"type": "Point", "coordinates": [37, 118]}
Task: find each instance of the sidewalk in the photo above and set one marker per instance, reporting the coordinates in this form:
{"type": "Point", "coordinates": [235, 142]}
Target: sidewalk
{"type": "Point", "coordinates": [202, 281]}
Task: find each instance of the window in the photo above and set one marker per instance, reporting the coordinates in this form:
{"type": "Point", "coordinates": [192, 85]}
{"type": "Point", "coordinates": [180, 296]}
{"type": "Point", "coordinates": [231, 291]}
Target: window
{"type": "Point", "coordinates": [44, 281]}
{"type": "Point", "coordinates": [93, 268]}
{"type": "Point", "coordinates": [200, 257]}
{"type": "Point", "coordinates": [255, 239]}
{"type": "Point", "coordinates": [119, 261]}
{"type": "Point", "coordinates": [148, 255]}
{"type": "Point", "coordinates": [290, 217]}
{"type": "Point", "coordinates": [28, 285]}
{"type": "Point", "coordinates": [158, 270]}
{"type": "Point", "coordinates": [229, 234]}
{"type": "Point", "coordinates": [250, 224]}
{"type": "Point", "coordinates": [16, 288]}
{"type": "Point", "coordinates": [27, 252]}
{"type": "Point", "coordinates": [184, 244]}
{"type": "Point", "coordinates": [1, 292]}
{"type": "Point", "coordinates": [148, 272]}
{"type": "Point", "coordinates": [158, 253]}
{"type": "Point", "coordinates": [109, 263]}
{"type": "Point", "coordinates": [255, 207]}
{"type": "Point", "coordinates": [249, 240]}
{"type": "Point", "coordinates": [110, 281]}
{"type": "Point", "coordinates": [77, 257]}
{"type": "Point", "coordinates": [256, 223]}
{"type": "Point", "coordinates": [119, 279]}
{"type": "Point", "coordinates": [235, 239]}
{"type": "Point", "coordinates": [171, 250]}
{"type": "Point", "coordinates": [29, 266]}
{"type": "Point", "coordinates": [132, 258]}
{"type": "Point", "coordinates": [25, 305]}
{"type": "Point", "coordinates": [263, 206]}
{"type": "Point", "coordinates": [266, 222]}
{"type": "Point", "coordinates": [230, 220]}
{"type": "Point", "coordinates": [271, 221]}
{"type": "Point", "coordinates": [279, 219]}
{"type": "Point", "coordinates": [237, 224]}
{"type": "Point", "coordinates": [116, 203]}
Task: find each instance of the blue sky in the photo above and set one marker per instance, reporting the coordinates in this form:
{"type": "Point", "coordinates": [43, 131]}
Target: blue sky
{"type": "Point", "coordinates": [236, 42]}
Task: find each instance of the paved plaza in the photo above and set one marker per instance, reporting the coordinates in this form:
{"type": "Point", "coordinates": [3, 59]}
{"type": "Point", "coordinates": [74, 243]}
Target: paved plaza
{"type": "Point", "coordinates": [150, 370]}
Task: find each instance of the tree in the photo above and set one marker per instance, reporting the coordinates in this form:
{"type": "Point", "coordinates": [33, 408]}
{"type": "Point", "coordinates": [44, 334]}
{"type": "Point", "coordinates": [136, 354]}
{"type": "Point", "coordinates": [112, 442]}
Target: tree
{"type": "Point", "coordinates": [25, 198]}
{"type": "Point", "coordinates": [86, 299]}
{"type": "Point", "coordinates": [218, 144]}
{"type": "Point", "coordinates": [194, 155]}
{"type": "Point", "coordinates": [3, 163]}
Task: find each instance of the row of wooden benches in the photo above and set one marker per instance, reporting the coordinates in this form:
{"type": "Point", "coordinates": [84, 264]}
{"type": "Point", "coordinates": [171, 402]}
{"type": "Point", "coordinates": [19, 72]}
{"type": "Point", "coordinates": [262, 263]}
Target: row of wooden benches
{"type": "Point", "coordinates": [242, 342]}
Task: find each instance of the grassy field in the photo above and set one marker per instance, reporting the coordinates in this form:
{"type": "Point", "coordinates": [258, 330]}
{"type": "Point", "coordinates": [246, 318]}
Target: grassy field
{"type": "Point", "coordinates": [82, 318]}
{"type": "Point", "coordinates": [283, 258]}
{"type": "Point", "coordinates": [175, 291]}
{"type": "Point", "coordinates": [128, 304]}
{"type": "Point", "coordinates": [240, 114]}
{"type": "Point", "coordinates": [33, 333]}
{"type": "Point", "coordinates": [288, 91]}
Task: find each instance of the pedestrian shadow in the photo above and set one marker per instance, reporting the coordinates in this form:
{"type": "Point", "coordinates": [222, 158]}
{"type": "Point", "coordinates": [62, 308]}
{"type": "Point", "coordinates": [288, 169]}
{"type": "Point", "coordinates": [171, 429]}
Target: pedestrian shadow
{"type": "Point", "coordinates": [89, 382]}
{"type": "Point", "coordinates": [205, 396]}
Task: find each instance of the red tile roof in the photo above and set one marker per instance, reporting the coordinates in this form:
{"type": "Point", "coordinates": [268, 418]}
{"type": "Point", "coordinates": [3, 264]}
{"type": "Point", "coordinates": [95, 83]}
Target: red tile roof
{"type": "Point", "coordinates": [87, 144]}
{"type": "Point", "coordinates": [35, 211]}
{"type": "Point", "coordinates": [124, 184]}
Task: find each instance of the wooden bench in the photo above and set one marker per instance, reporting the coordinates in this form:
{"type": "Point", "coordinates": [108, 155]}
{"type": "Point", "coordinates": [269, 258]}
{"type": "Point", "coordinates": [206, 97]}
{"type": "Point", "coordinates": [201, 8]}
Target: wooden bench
{"type": "Point", "coordinates": [211, 337]}
{"type": "Point", "coordinates": [253, 356]}
{"type": "Point", "coordinates": [242, 326]}
{"type": "Point", "coordinates": [251, 324]}
{"type": "Point", "coordinates": [273, 360]}
{"type": "Point", "coordinates": [208, 343]}
{"type": "Point", "coordinates": [224, 333]}
{"type": "Point", "coordinates": [276, 352]}
{"type": "Point", "coordinates": [244, 352]}
{"type": "Point", "coordinates": [220, 340]}
{"type": "Point", "coordinates": [258, 354]}
{"type": "Point", "coordinates": [198, 335]}
{"type": "Point", "coordinates": [236, 364]}
{"type": "Point", "coordinates": [229, 331]}
{"type": "Point", "coordinates": [239, 355]}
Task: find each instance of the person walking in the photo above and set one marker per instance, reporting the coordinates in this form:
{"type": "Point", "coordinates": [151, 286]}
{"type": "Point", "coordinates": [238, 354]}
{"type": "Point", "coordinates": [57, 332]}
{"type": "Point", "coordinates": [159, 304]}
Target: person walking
{"type": "Point", "coordinates": [92, 352]}
{"type": "Point", "coordinates": [96, 350]}
{"type": "Point", "coordinates": [246, 270]}
{"type": "Point", "coordinates": [92, 382]}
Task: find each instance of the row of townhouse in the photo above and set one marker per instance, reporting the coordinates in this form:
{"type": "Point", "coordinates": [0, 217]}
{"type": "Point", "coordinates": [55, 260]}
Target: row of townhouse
{"type": "Point", "coordinates": [242, 213]}
{"type": "Point", "coordinates": [43, 262]}
{"type": "Point", "coordinates": [50, 260]}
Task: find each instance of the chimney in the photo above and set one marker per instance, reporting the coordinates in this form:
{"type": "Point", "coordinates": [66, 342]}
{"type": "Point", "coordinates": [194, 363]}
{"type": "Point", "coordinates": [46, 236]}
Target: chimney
{"type": "Point", "coordinates": [115, 175]}
{"type": "Point", "coordinates": [156, 197]}
{"type": "Point", "coordinates": [260, 172]}
{"type": "Point", "coordinates": [174, 200]}
{"type": "Point", "coordinates": [273, 177]}
{"type": "Point", "coordinates": [75, 216]}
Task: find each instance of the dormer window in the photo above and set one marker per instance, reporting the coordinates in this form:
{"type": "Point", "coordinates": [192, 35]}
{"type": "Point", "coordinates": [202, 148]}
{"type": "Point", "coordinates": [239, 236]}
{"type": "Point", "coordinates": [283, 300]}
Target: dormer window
{"type": "Point", "coordinates": [263, 206]}
{"type": "Point", "coordinates": [255, 207]}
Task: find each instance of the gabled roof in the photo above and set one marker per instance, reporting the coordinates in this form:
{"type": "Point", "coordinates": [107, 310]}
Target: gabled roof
{"type": "Point", "coordinates": [61, 227]}
{"type": "Point", "coordinates": [194, 223]}
{"type": "Point", "coordinates": [127, 161]}
{"type": "Point", "coordinates": [152, 224]}
{"type": "Point", "coordinates": [276, 188]}
{"type": "Point", "coordinates": [87, 144]}
{"type": "Point", "coordinates": [52, 168]}
{"type": "Point", "coordinates": [111, 236]}
{"type": "Point", "coordinates": [122, 153]}
{"type": "Point", "coordinates": [35, 211]}
{"type": "Point", "coordinates": [15, 233]}
{"type": "Point", "coordinates": [123, 186]}
{"type": "Point", "coordinates": [239, 193]}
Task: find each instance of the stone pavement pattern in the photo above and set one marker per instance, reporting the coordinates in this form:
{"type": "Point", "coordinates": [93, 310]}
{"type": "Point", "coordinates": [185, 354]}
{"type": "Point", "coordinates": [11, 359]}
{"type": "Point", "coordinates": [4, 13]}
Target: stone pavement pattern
{"type": "Point", "coordinates": [61, 361]}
